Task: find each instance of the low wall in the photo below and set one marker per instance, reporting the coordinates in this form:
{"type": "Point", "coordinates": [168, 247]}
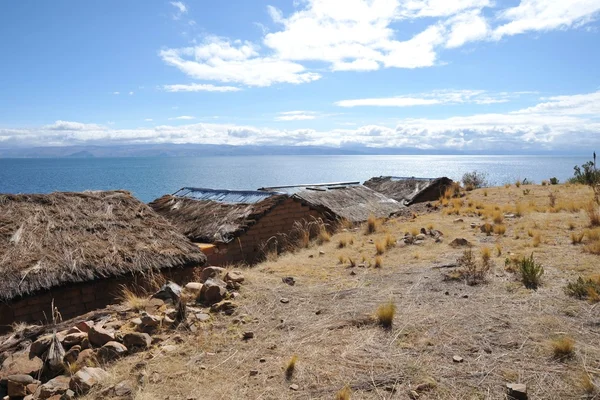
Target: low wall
{"type": "Point", "coordinates": [77, 298]}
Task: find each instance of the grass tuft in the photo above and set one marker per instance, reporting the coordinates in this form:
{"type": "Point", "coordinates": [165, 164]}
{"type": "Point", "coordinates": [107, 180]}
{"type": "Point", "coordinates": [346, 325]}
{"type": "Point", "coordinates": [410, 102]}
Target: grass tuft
{"type": "Point", "coordinates": [132, 300]}
{"type": "Point", "coordinates": [343, 394]}
{"type": "Point", "coordinates": [577, 238]}
{"type": "Point", "coordinates": [593, 213]}
{"type": "Point", "coordinates": [380, 247]}
{"type": "Point", "coordinates": [563, 348]}
{"type": "Point", "coordinates": [531, 272]}
{"type": "Point", "coordinates": [372, 225]}
{"type": "Point", "coordinates": [390, 241]}
{"type": "Point", "coordinates": [385, 314]}
{"type": "Point", "coordinates": [588, 288]}
{"type": "Point", "coordinates": [500, 229]}
{"type": "Point", "coordinates": [291, 367]}
{"type": "Point", "coordinates": [378, 262]}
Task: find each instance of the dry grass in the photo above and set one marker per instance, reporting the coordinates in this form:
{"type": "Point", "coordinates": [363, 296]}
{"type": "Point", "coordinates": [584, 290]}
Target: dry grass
{"type": "Point", "coordinates": [371, 225]}
{"type": "Point", "coordinates": [380, 247]}
{"type": "Point", "coordinates": [563, 347]}
{"type": "Point", "coordinates": [500, 229]}
{"type": "Point", "coordinates": [498, 249]}
{"type": "Point", "coordinates": [291, 367]}
{"type": "Point", "coordinates": [385, 314]}
{"type": "Point", "coordinates": [132, 300]}
{"type": "Point", "coordinates": [537, 239]}
{"type": "Point", "coordinates": [497, 217]}
{"type": "Point", "coordinates": [593, 213]}
{"type": "Point", "coordinates": [577, 238]}
{"type": "Point", "coordinates": [378, 262]}
{"type": "Point", "coordinates": [323, 237]}
{"type": "Point", "coordinates": [343, 394]}
{"type": "Point", "coordinates": [343, 242]}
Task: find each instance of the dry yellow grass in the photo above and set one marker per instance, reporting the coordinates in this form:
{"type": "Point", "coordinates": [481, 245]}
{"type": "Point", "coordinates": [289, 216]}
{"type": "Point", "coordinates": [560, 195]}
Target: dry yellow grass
{"type": "Point", "coordinates": [537, 239]}
{"type": "Point", "coordinates": [563, 347]}
{"type": "Point", "coordinates": [343, 394]}
{"type": "Point", "coordinates": [133, 300]}
{"type": "Point", "coordinates": [378, 262]}
{"type": "Point", "coordinates": [291, 367]}
{"type": "Point", "coordinates": [593, 212]}
{"type": "Point", "coordinates": [577, 238]}
{"type": "Point", "coordinates": [385, 314]}
{"type": "Point", "coordinates": [380, 247]}
{"type": "Point", "coordinates": [500, 229]}
{"type": "Point", "coordinates": [372, 225]}
{"type": "Point", "coordinates": [497, 217]}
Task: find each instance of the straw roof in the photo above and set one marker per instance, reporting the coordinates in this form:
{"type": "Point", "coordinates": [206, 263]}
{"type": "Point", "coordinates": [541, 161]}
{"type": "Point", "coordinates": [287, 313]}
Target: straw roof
{"type": "Point", "coordinates": [47, 240]}
{"type": "Point", "coordinates": [409, 190]}
{"type": "Point", "coordinates": [354, 203]}
{"type": "Point", "coordinates": [210, 221]}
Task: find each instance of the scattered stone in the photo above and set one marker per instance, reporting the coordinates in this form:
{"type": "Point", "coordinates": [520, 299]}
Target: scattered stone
{"type": "Point", "coordinates": [114, 325]}
{"type": "Point", "coordinates": [40, 346]}
{"type": "Point", "coordinates": [68, 395]}
{"type": "Point", "coordinates": [111, 351]}
{"type": "Point", "coordinates": [85, 343]}
{"type": "Point", "coordinates": [21, 364]}
{"type": "Point", "coordinates": [32, 387]}
{"type": "Point", "coordinates": [149, 320]}
{"type": "Point", "coordinates": [234, 276]}
{"type": "Point", "coordinates": [352, 272]}
{"type": "Point", "coordinates": [99, 336]}
{"type": "Point", "coordinates": [262, 360]}
{"type": "Point", "coordinates": [171, 313]}
{"type": "Point", "coordinates": [474, 225]}
{"type": "Point", "coordinates": [213, 291]}
{"type": "Point", "coordinates": [168, 291]}
{"type": "Point", "coordinates": [248, 335]}
{"type": "Point", "coordinates": [510, 216]}
{"type": "Point", "coordinates": [212, 272]}
{"type": "Point", "coordinates": [136, 321]}
{"type": "Point", "coordinates": [123, 389]}
{"type": "Point", "coordinates": [235, 295]}
{"type": "Point", "coordinates": [74, 339]}
{"type": "Point", "coordinates": [418, 242]}
{"type": "Point", "coordinates": [86, 378]}
{"type": "Point", "coordinates": [458, 220]}
{"type": "Point", "coordinates": [154, 304]}
{"type": "Point", "coordinates": [311, 256]}
{"type": "Point", "coordinates": [194, 287]}
{"type": "Point", "coordinates": [85, 326]}
{"type": "Point", "coordinates": [54, 387]}
{"type": "Point", "coordinates": [460, 242]}
{"type": "Point", "coordinates": [516, 391]}
{"type": "Point", "coordinates": [294, 387]}
{"type": "Point", "coordinates": [284, 300]}
{"type": "Point", "coordinates": [72, 354]}
{"type": "Point", "coordinates": [86, 357]}
{"type": "Point", "coordinates": [465, 296]}
{"type": "Point", "coordinates": [321, 253]}
{"type": "Point", "coordinates": [289, 280]}
{"type": "Point", "coordinates": [253, 372]}
{"type": "Point", "coordinates": [137, 339]}
{"type": "Point", "coordinates": [169, 348]}
{"type": "Point", "coordinates": [17, 385]}
{"type": "Point", "coordinates": [439, 239]}
{"type": "Point", "coordinates": [227, 307]}
{"type": "Point", "coordinates": [202, 317]}
{"type": "Point", "coordinates": [457, 359]}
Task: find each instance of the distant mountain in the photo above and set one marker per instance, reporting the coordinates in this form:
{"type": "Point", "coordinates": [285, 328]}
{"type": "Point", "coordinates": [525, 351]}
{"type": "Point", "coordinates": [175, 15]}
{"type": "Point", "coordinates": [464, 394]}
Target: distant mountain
{"type": "Point", "coordinates": [207, 150]}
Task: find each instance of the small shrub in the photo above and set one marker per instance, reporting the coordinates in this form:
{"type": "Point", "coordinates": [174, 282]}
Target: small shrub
{"type": "Point", "coordinates": [498, 250]}
{"type": "Point", "coordinates": [341, 259]}
{"type": "Point", "coordinates": [351, 262]}
{"type": "Point", "coordinates": [486, 254]}
{"type": "Point", "coordinates": [499, 229]}
{"type": "Point", "coordinates": [133, 300]}
{"type": "Point", "coordinates": [389, 241]}
{"type": "Point", "coordinates": [577, 238]}
{"type": "Point", "coordinates": [470, 270]}
{"type": "Point", "coordinates": [526, 192]}
{"type": "Point", "coordinates": [531, 272]}
{"type": "Point", "coordinates": [588, 288]}
{"type": "Point", "coordinates": [474, 180]}
{"type": "Point", "coordinates": [378, 262]}
{"type": "Point", "coordinates": [487, 228]}
{"type": "Point", "coordinates": [485, 193]}
{"type": "Point", "coordinates": [520, 209]}
{"type": "Point", "coordinates": [537, 239]}
{"type": "Point", "coordinates": [323, 237]}
{"type": "Point", "coordinates": [553, 181]}
{"type": "Point", "coordinates": [545, 183]}
{"type": "Point", "coordinates": [291, 367]}
{"type": "Point", "coordinates": [593, 213]}
{"type": "Point", "coordinates": [552, 199]}
{"type": "Point", "coordinates": [385, 314]}
{"type": "Point", "coordinates": [342, 243]}
{"type": "Point", "coordinates": [343, 394]}
{"type": "Point", "coordinates": [379, 248]}
{"type": "Point", "coordinates": [497, 217]}
{"type": "Point", "coordinates": [563, 348]}
{"type": "Point", "coordinates": [518, 183]}
{"type": "Point", "coordinates": [372, 224]}
{"type": "Point", "coordinates": [414, 231]}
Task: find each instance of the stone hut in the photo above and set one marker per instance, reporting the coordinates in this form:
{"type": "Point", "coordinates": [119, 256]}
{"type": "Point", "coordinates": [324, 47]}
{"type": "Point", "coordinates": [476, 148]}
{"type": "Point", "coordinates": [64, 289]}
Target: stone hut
{"type": "Point", "coordinates": [75, 250]}
{"type": "Point", "coordinates": [233, 226]}
{"type": "Point", "coordinates": [410, 190]}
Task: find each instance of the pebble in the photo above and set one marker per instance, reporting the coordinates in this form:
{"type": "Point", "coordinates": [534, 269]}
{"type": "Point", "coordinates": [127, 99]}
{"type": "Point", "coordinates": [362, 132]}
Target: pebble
{"type": "Point", "coordinates": [457, 359]}
{"type": "Point", "coordinates": [293, 386]}
{"type": "Point", "coordinates": [284, 300]}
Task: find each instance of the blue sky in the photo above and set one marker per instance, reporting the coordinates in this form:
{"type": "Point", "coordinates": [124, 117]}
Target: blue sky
{"type": "Point", "coordinates": [473, 75]}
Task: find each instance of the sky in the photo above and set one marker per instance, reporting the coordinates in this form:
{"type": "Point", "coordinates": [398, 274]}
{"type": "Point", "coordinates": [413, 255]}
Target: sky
{"type": "Point", "coordinates": [452, 75]}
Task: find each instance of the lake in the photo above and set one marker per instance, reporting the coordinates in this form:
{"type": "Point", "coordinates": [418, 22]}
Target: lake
{"type": "Point", "coordinates": [149, 178]}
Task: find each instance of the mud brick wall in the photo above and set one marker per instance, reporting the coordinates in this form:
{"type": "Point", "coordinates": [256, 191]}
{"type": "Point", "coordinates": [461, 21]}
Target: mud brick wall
{"type": "Point", "coordinates": [78, 298]}
{"type": "Point", "coordinates": [248, 247]}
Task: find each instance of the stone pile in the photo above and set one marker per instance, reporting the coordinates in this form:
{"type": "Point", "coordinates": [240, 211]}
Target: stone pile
{"type": "Point", "coordinates": [31, 373]}
{"type": "Point", "coordinates": [423, 236]}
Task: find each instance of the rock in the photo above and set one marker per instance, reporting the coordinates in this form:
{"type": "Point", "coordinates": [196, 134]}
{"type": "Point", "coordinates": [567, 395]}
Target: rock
{"type": "Point", "coordinates": [193, 287]}
{"type": "Point", "coordinates": [150, 320]}
{"type": "Point", "coordinates": [86, 378]}
{"type": "Point", "coordinates": [213, 291]}
{"type": "Point", "coordinates": [21, 364]}
{"type": "Point", "coordinates": [168, 291]}
{"type": "Point", "coordinates": [421, 236]}
{"type": "Point", "coordinates": [234, 276]}
{"type": "Point", "coordinates": [248, 335]}
{"type": "Point", "coordinates": [68, 395]}
{"type": "Point", "coordinates": [54, 387]}
{"type": "Point", "coordinates": [262, 360]}
{"type": "Point", "coordinates": [510, 216]}
{"type": "Point", "coordinates": [212, 272]}
{"type": "Point", "coordinates": [253, 372]}
{"type": "Point", "coordinates": [40, 346]}
{"type": "Point", "coordinates": [284, 300]}
{"type": "Point", "coordinates": [85, 344]}
{"type": "Point", "coordinates": [73, 330]}
{"type": "Point", "coordinates": [516, 391]}
{"type": "Point", "coordinates": [202, 317]}
{"type": "Point", "coordinates": [460, 242]}
{"type": "Point", "coordinates": [74, 339]}
{"type": "Point", "coordinates": [154, 304]}
{"type": "Point", "coordinates": [111, 351]}
{"type": "Point", "coordinates": [114, 325]}
{"type": "Point", "coordinates": [289, 280]}
{"type": "Point", "coordinates": [294, 387]}
{"type": "Point", "coordinates": [99, 336]}
{"type": "Point", "coordinates": [474, 225]}
{"type": "Point", "coordinates": [458, 220]}
{"type": "Point", "coordinates": [136, 339]}
{"type": "Point", "coordinates": [169, 348]}
{"type": "Point", "coordinates": [86, 357]}
{"type": "Point", "coordinates": [85, 326]}
{"type": "Point", "coordinates": [17, 385]}
{"type": "Point", "coordinates": [457, 359]}
{"type": "Point", "coordinates": [122, 390]}
{"type": "Point", "coordinates": [227, 307]}
{"type": "Point", "coordinates": [72, 355]}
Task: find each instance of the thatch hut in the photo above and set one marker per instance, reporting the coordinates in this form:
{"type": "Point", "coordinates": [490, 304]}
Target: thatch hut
{"type": "Point", "coordinates": [410, 190]}
{"type": "Point", "coordinates": [348, 201]}
{"type": "Point", "coordinates": [76, 249]}
{"type": "Point", "coordinates": [232, 226]}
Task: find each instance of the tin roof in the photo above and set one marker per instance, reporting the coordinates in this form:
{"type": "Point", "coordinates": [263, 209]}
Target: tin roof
{"type": "Point", "coordinates": [224, 196]}
{"type": "Point", "coordinates": [319, 187]}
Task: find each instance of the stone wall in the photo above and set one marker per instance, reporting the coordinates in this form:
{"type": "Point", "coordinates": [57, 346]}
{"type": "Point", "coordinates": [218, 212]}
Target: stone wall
{"type": "Point", "coordinates": [248, 247]}
{"type": "Point", "coordinates": [78, 298]}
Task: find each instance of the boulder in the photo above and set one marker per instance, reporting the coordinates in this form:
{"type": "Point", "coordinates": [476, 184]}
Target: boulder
{"type": "Point", "coordinates": [193, 287]}
{"type": "Point", "coordinates": [227, 307]}
{"type": "Point", "coordinates": [54, 387]}
{"type": "Point", "coordinates": [72, 355]}
{"type": "Point", "coordinates": [460, 242]}
{"type": "Point", "coordinates": [111, 351]}
{"type": "Point", "coordinates": [212, 272]}
{"type": "Point", "coordinates": [516, 391]}
{"type": "Point", "coordinates": [122, 390]}
{"type": "Point", "coordinates": [213, 291]}
{"type": "Point", "coordinates": [21, 364]}
{"type": "Point", "coordinates": [40, 346]}
{"type": "Point", "coordinates": [137, 339]}
{"type": "Point", "coordinates": [86, 378]}
{"type": "Point", "coordinates": [168, 291]}
{"type": "Point", "coordinates": [149, 320]}
{"type": "Point", "coordinates": [17, 385]}
{"type": "Point", "coordinates": [85, 326]}
{"type": "Point", "coordinates": [74, 339]}
{"type": "Point", "coordinates": [99, 336]}
{"type": "Point", "coordinates": [234, 276]}
{"type": "Point", "coordinates": [87, 358]}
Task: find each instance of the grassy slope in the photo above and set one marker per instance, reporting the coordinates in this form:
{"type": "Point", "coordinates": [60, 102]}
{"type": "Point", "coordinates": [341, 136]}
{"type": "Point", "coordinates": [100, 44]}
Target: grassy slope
{"type": "Point", "coordinates": [501, 330]}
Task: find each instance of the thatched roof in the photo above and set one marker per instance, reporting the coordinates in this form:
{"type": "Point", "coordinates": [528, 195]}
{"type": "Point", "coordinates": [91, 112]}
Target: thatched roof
{"type": "Point", "coordinates": [47, 240]}
{"type": "Point", "coordinates": [208, 216]}
{"type": "Point", "coordinates": [409, 190]}
{"type": "Point", "coordinates": [352, 202]}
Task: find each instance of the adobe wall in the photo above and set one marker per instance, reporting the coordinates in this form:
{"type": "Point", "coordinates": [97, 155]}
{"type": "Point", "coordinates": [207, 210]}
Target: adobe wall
{"type": "Point", "coordinates": [248, 247]}
{"type": "Point", "coordinates": [77, 299]}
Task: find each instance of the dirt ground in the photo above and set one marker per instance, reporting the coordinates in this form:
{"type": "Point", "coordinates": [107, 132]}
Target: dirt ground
{"type": "Point", "coordinates": [501, 332]}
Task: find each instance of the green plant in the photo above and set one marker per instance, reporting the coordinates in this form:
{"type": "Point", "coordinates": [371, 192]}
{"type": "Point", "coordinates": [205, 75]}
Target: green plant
{"type": "Point", "coordinates": [526, 192]}
{"type": "Point", "coordinates": [588, 288]}
{"type": "Point", "coordinates": [531, 272]}
{"type": "Point", "coordinates": [474, 180]}
{"type": "Point", "coordinates": [553, 181]}
{"type": "Point", "coordinates": [472, 272]}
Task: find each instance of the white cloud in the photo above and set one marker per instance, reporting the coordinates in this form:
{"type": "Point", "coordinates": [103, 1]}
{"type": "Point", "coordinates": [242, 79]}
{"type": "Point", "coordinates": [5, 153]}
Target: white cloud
{"type": "Point", "coordinates": [434, 98]}
{"type": "Point", "coordinates": [71, 126]}
{"type": "Point", "coordinates": [296, 116]}
{"type": "Point", "coordinates": [199, 87]}
{"type": "Point", "coordinates": [131, 93]}
{"type": "Point", "coordinates": [545, 15]}
{"type": "Point", "coordinates": [116, 93]}
{"type": "Point", "coordinates": [183, 117]}
{"type": "Point", "coordinates": [581, 104]}
{"type": "Point", "coordinates": [237, 62]}
{"type": "Point", "coordinates": [467, 27]}
{"type": "Point", "coordinates": [181, 9]}
{"type": "Point", "coordinates": [148, 120]}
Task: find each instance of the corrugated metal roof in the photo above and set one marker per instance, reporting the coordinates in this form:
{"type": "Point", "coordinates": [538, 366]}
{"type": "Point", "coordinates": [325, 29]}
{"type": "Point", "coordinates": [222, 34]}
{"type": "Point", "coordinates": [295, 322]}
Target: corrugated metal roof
{"type": "Point", "coordinates": [223, 195]}
{"type": "Point", "coordinates": [320, 187]}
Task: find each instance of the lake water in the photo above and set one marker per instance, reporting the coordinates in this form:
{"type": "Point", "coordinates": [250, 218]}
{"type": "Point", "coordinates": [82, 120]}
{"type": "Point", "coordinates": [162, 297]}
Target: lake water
{"type": "Point", "coordinates": [149, 178]}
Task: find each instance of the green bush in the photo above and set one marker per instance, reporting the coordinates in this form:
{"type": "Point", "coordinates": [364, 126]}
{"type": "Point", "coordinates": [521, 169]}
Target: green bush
{"type": "Point", "coordinates": [587, 174]}
{"type": "Point", "coordinates": [554, 181]}
{"type": "Point", "coordinates": [474, 180]}
{"type": "Point", "coordinates": [584, 288]}
{"type": "Point", "coordinates": [531, 272]}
